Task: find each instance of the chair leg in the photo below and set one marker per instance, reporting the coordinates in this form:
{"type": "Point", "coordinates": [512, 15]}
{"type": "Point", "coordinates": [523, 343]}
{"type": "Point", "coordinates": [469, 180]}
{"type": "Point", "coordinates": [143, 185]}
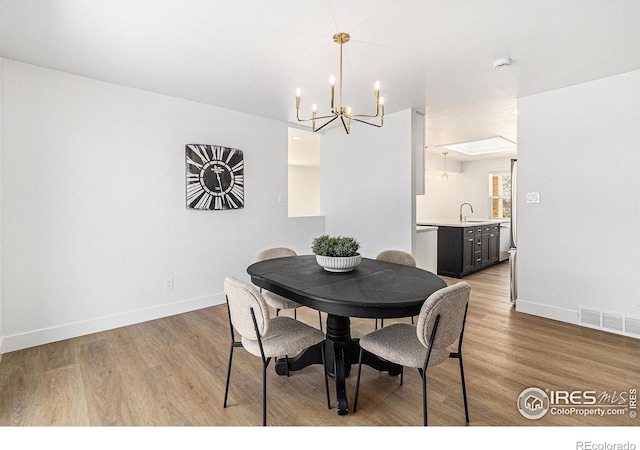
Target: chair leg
{"type": "Point", "coordinates": [295, 313]}
{"type": "Point", "coordinates": [326, 378]}
{"type": "Point", "coordinates": [355, 400]}
{"type": "Point", "coordinates": [226, 388]}
{"type": "Point", "coordinates": [401, 375]}
{"type": "Point", "coordinates": [320, 319]}
{"type": "Point", "coordinates": [464, 392]}
{"type": "Point", "coordinates": [412, 321]}
{"type": "Point", "coordinates": [264, 394]}
{"type": "Point", "coordinates": [423, 375]}
{"type": "Point", "coordinates": [286, 363]}
{"type": "Point", "coordinates": [234, 344]}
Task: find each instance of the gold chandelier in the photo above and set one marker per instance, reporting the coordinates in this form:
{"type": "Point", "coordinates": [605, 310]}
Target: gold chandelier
{"type": "Point", "coordinates": [343, 113]}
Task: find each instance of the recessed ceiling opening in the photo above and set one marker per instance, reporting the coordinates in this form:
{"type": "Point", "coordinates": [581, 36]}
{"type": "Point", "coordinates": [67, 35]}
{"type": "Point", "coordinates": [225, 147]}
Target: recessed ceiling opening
{"type": "Point", "coordinates": [495, 144]}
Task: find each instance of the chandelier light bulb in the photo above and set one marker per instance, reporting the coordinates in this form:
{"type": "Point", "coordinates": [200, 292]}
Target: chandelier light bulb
{"type": "Point", "coordinates": [332, 80]}
{"type": "Point", "coordinates": [377, 86]}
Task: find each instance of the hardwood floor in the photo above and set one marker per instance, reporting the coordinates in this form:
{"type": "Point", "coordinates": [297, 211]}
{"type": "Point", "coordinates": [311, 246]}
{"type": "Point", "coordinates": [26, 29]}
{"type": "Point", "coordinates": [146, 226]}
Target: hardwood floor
{"type": "Point", "coordinates": [171, 372]}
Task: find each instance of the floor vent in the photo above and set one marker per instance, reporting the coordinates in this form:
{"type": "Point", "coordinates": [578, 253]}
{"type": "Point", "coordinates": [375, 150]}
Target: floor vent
{"type": "Point", "coordinates": [610, 322]}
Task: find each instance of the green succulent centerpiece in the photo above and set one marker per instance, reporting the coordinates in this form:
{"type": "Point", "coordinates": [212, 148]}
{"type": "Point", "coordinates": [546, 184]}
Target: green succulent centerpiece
{"type": "Point", "coordinates": [336, 253]}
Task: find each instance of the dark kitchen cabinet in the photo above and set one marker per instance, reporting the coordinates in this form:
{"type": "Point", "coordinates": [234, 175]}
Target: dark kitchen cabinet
{"type": "Point", "coordinates": [494, 244]}
{"type": "Point", "coordinates": [490, 246]}
{"type": "Point", "coordinates": [464, 250]}
{"type": "Point", "coordinates": [468, 252]}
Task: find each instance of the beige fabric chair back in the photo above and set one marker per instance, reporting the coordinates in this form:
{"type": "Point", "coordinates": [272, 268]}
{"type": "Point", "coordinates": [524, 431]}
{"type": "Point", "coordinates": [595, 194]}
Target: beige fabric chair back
{"type": "Point", "coordinates": [242, 297]}
{"type": "Point", "coordinates": [276, 252]}
{"type": "Point", "coordinates": [450, 303]}
{"type": "Point", "coordinates": [398, 257]}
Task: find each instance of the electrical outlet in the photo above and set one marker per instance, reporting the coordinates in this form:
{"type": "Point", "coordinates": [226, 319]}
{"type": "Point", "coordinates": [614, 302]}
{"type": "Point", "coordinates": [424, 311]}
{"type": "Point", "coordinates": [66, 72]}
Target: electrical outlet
{"type": "Point", "coordinates": [168, 284]}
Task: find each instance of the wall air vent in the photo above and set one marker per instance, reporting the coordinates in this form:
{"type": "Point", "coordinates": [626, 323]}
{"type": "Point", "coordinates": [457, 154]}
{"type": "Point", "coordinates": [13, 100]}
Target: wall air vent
{"type": "Point", "coordinates": [590, 317]}
{"type": "Point", "coordinates": [612, 322]}
{"type": "Point", "coordinates": [606, 321]}
{"type": "Point", "coordinates": [632, 326]}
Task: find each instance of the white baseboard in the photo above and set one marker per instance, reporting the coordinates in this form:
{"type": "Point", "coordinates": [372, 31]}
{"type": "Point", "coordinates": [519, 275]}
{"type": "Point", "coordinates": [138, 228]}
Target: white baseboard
{"type": "Point", "coordinates": [550, 312]}
{"type": "Point", "coordinates": [574, 317]}
{"type": "Point", "coordinates": [47, 335]}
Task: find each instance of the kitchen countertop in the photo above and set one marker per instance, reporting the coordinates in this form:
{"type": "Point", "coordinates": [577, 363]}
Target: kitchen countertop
{"type": "Point", "coordinates": [421, 228]}
{"type": "Point", "coordinates": [471, 222]}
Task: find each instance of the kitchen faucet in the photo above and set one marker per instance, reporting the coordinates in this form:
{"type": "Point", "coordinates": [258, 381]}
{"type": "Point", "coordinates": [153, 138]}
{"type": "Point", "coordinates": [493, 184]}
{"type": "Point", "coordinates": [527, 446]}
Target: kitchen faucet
{"type": "Point", "coordinates": [461, 209]}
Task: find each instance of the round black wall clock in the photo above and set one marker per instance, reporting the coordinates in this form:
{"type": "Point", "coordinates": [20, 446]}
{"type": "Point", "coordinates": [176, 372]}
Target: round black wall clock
{"type": "Point", "coordinates": [215, 177]}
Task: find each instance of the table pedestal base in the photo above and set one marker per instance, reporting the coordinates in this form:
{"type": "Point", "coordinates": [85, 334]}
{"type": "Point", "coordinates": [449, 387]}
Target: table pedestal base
{"type": "Point", "coordinates": [341, 351]}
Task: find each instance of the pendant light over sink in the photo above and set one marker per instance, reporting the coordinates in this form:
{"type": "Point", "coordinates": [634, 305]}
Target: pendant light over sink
{"type": "Point", "coordinates": [445, 175]}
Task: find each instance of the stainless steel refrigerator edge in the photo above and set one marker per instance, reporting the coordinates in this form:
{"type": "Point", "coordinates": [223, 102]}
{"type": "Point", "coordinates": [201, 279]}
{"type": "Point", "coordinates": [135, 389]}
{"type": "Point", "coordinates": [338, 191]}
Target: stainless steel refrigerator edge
{"type": "Point", "coordinates": [514, 243]}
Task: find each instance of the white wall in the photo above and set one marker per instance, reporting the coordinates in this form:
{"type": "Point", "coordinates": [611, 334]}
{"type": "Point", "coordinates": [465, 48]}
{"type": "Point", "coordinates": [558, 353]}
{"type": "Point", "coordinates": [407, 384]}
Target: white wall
{"type": "Point", "coordinates": [468, 182]}
{"type": "Point", "coordinates": [366, 184]}
{"type": "Point", "coordinates": [1, 107]}
{"type": "Point", "coordinates": [579, 147]}
{"type": "Point", "coordinates": [93, 205]}
{"type": "Point", "coordinates": [304, 191]}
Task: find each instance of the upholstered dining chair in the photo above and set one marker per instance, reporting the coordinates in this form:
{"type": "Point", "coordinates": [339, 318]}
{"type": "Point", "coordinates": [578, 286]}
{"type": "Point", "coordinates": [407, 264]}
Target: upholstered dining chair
{"type": "Point", "coordinates": [398, 257]}
{"type": "Point", "coordinates": [440, 323]}
{"type": "Point", "coordinates": [264, 336]}
{"type": "Point", "coordinates": [276, 301]}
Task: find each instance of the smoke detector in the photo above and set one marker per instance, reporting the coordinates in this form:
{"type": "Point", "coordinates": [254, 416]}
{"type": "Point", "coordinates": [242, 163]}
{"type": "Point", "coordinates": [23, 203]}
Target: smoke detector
{"type": "Point", "coordinates": [501, 63]}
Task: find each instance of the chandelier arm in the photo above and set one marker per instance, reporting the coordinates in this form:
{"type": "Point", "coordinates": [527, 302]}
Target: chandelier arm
{"type": "Point", "coordinates": [315, 118]}
{"type": "Point", "coordinates": [379, 112]}
{"type": "Point", "coordinates": [368, 123]}
{"type": "Point", "coordinates": [347, 126]}
{"type": "Point", "coordinates": [371, 116]}
{"type": "Point", "coordinates": [327, 123]}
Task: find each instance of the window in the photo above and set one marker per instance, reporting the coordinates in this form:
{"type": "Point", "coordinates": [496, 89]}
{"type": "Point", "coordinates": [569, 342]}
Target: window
{"type": "Point", "coordinates": [500, 195]}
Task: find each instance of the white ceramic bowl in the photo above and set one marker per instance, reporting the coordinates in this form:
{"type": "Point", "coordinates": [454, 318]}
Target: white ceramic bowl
{"type": "Point", "coordinates": [338, 263]}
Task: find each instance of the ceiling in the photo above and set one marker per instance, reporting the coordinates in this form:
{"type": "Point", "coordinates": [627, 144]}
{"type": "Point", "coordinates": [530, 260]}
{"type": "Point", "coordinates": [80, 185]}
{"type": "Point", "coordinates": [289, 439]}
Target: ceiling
{"type": "Point", "coordinates": [250, 55]}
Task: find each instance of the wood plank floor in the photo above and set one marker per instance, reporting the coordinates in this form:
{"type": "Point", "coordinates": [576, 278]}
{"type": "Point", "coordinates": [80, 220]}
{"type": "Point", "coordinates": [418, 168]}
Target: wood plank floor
{"type": "Point", "coordinates": [171, 372]}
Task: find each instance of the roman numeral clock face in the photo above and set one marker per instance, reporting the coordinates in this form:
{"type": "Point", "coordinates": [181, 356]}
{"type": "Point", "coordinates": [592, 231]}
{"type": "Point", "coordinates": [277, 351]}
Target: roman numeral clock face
{"type": "Point", "coordinates": [215, 177]}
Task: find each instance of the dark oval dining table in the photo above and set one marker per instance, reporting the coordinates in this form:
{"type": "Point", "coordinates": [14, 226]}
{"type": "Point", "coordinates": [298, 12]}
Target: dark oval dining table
{"type": "Point", "coordinates": [373, 289]}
